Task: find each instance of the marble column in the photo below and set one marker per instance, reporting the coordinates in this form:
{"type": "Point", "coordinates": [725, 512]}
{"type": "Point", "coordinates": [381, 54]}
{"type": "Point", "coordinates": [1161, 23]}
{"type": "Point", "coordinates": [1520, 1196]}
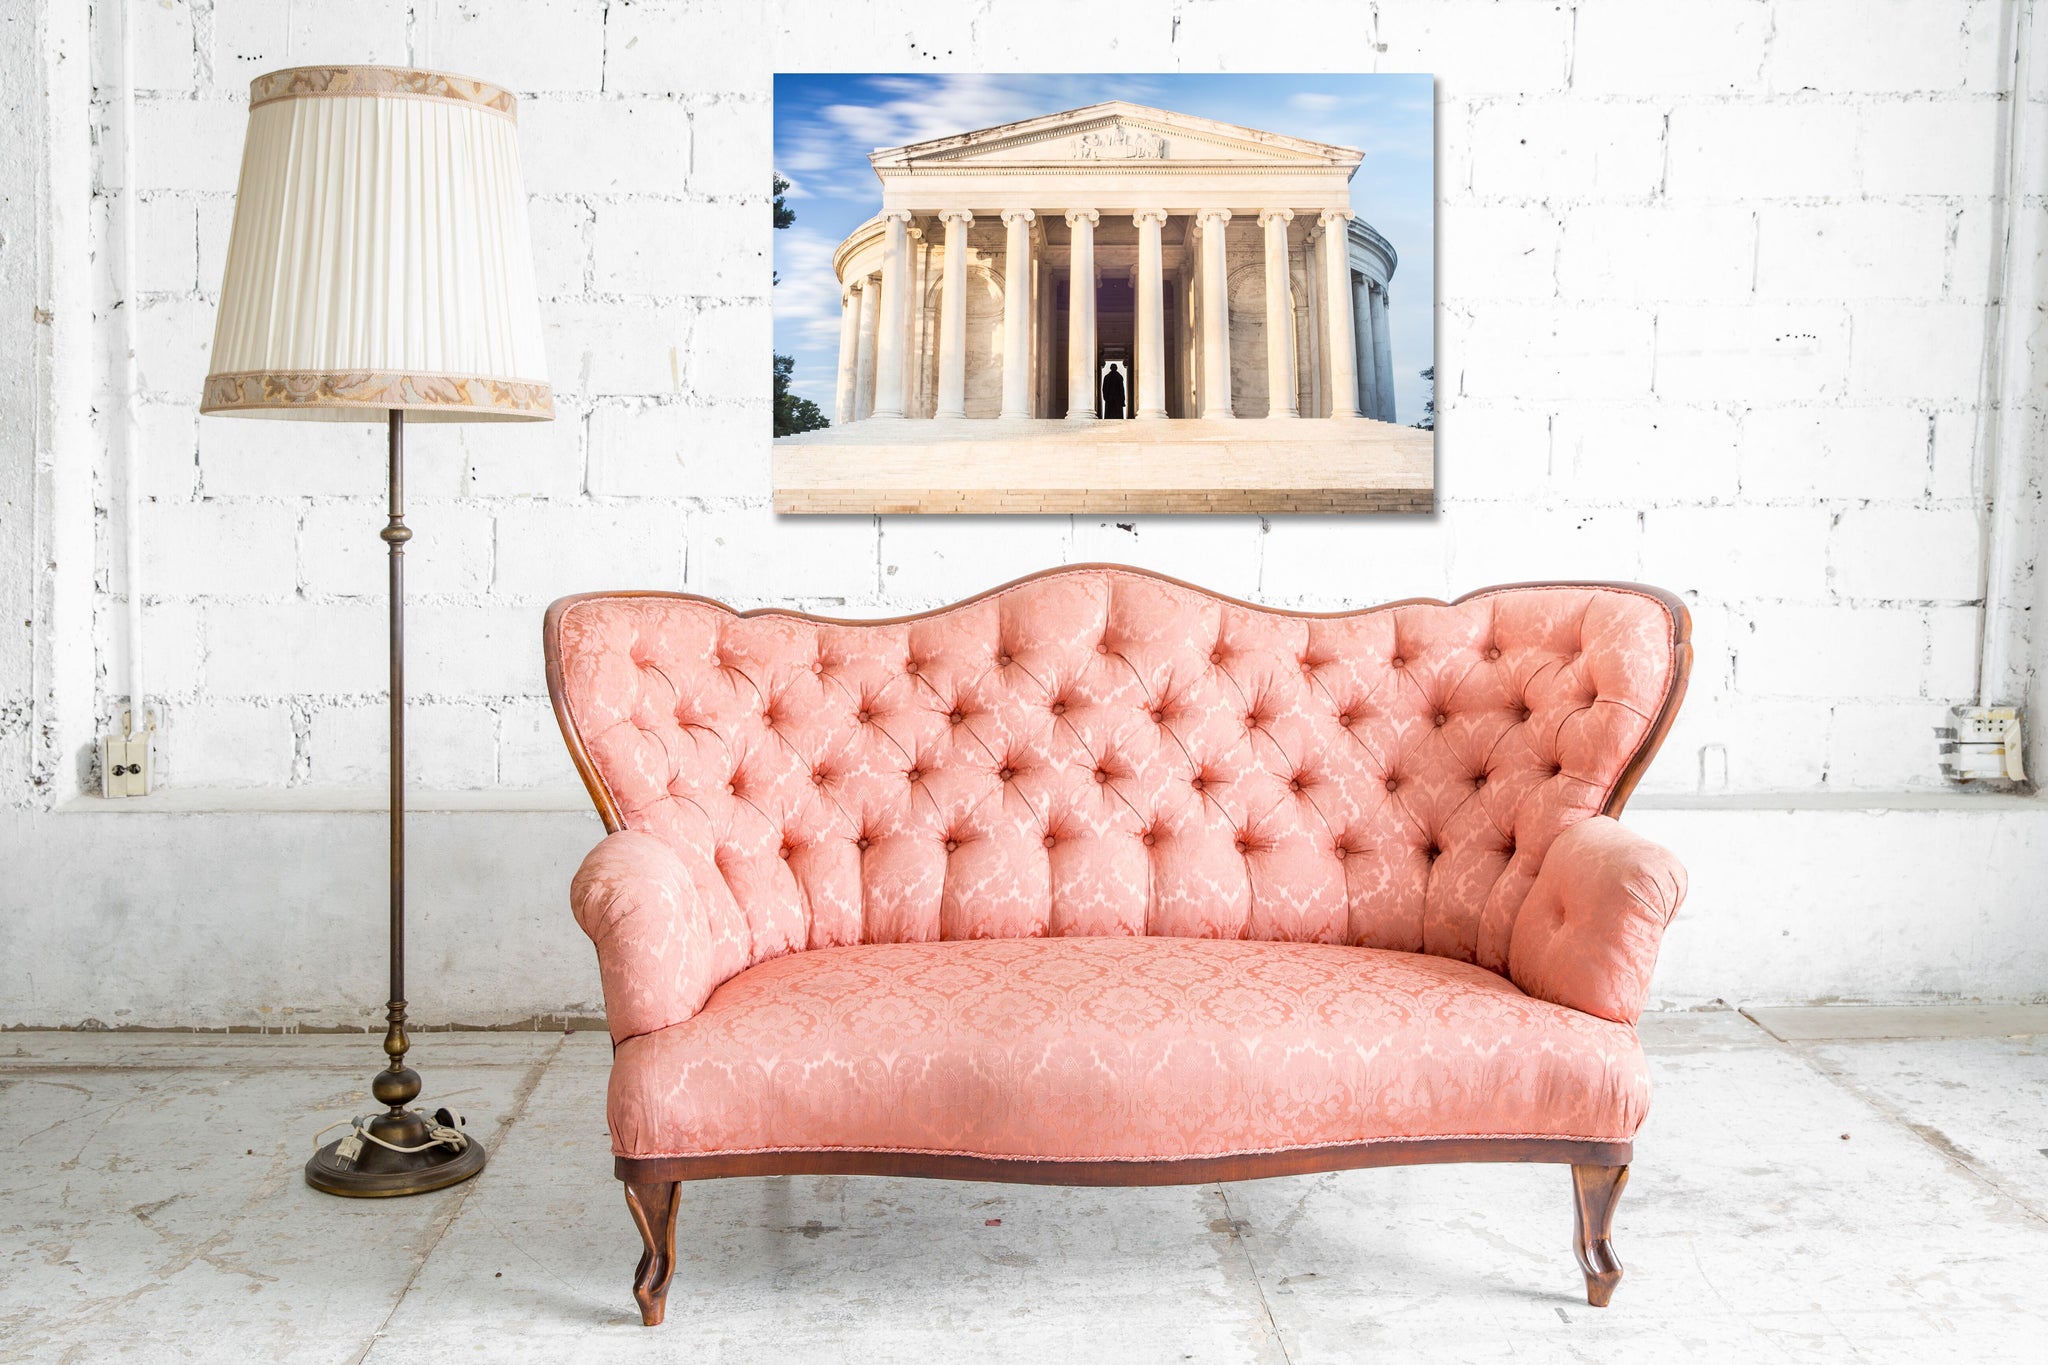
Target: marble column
{"type": "Point", "coordinates": [893, 320]}
{"type": "Point", "coordinates": [1215, 315]}
{"type": "Point", "coordinates": [1361, 331]}
{"type": "Point", "coordinates": [1342, 343]}
{"type": "Point", "coordinates": [864, 366]}
{"type": "Point", "coordinates": [1382, 355]}
{"type": "Point", "coordinates": [953, 321]}
{"type": "Point", "coordinates": [1312, 328]}
{"type": "Point", "coordinates": [1017, 312]}
{"type": "Point", "coordinates": [1081, 315]}
{"type": "Point", "coordinates": [849, 354]}
{"type": "Point", "coordinates": [1280, 381]}
{"type": "Point", "coordinates": [1151, 330]}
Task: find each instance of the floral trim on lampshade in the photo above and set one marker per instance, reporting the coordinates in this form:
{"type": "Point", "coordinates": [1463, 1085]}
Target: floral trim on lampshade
{"type": "Point", "coordinates": [310, 81]}
{"type": "Point", "coordinates": [326, 389]}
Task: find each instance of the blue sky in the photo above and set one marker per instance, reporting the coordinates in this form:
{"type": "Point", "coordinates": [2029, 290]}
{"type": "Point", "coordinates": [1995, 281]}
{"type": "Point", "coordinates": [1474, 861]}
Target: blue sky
{"type": "Point", "coordinates": [825, 126]}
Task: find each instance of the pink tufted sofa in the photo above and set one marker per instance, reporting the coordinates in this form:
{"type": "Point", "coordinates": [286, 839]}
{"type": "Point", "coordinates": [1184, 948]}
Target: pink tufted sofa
{"type": "Point", "coordinates": [1099, 878]}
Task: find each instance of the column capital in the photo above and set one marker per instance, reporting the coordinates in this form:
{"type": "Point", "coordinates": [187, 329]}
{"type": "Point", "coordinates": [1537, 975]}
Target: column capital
{"type": "Point", "coordinates": [1018, 216]}
{"type": "Point", "coordinates": [854, 286]}
{"type": "Point", "coordinates": [951, 215]}
{"type": "Point", "coordinates": [1155, 215]}
{"type": "Point", "coordinates": [1074, 216]}
{"type": "Point", "coordinates": [1330, 217]}
{"type": "Point", "coordinates": [1276, 216]}
{"type": "Point", "coordinates": [1212, 215]}
{"type": "Point", "coordinates": [898, 216]}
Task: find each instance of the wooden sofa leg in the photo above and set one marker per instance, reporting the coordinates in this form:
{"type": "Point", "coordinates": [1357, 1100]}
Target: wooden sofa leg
{"type": "Point", "coordinates": [653, 1204]}
{"type": "Point", "coordinates": [1596, 1190]}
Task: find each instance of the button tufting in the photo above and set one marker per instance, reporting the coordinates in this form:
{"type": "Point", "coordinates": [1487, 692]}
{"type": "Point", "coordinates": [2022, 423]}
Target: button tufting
{"type": "Point", "coordinates": [1147, 838]}
{"type": "Point", "coordinates": [1158, 715]}
{"type": "Point", "coordinates": [915, 775]}
{"type": "Point", "coordinates": [910, 667]}
{"type": "Point", "coordinates": [732, 789]}
{"type": "Point", "coordinates": [1393, 784]}
{"type": "Point", "coordinates": [818, 778]}
{"type": "Point", "coordinates": [784, 851]}
{"type": "Point", "coordinates": [1050, 841]}
{"type": "Point", "coordinates": [1102, 775]}
{"type": "Point", "coordinates": [1102, 647]}
{"type": "Point", "coordinates": [817, 667]}
{"type": "Point", "coordinates": [1007, 773]}
{"type": "Point", "coordinates": [1294, 785]}
{"type": "Point", "coordinates": [1341, 852]}
{"type": "Point", "coordinates": [1003, 660]}
{"type": "Point", "coordinates": [1243, 847]}
{"type": "Point", "coordinates": [952, 845]}
{"type": "Point", "coordinates": [1059, 708]}
{"type": "Point", "coordinates": [1479, 780]}
{"type": "Point", "coordinates": [956, 717]}
{"type": "Point", "coordinates": [1441, 718]}
{"type": "Point", "coordinates": [1432, 853]}
{"type": "Point", "coordinates": [864, 717]}
{"type": "Point", "coordinates": [1397, 662]}
{"type": "Point", "coordinates": [1215, 656]}
{"type": "Point", "coordinates": [1197, 783]}
{"type": "Point", "coordinates": [1251, 720]}
{"type": "Point", "coordinates": [1344, 719]}
{"type": "Point", "coordinates": [861, 843]}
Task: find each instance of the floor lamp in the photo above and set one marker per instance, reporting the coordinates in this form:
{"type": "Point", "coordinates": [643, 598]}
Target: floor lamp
{"type": "Point", "coordinates": [380, 268]}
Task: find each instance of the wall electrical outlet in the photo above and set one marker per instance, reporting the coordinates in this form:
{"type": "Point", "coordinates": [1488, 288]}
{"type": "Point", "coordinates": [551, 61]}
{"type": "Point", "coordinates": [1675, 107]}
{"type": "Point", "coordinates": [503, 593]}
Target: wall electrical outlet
{"type": "Point", "coordinates": [1982, 744]}
{"type": "Point", "coordinates": [124, 762]}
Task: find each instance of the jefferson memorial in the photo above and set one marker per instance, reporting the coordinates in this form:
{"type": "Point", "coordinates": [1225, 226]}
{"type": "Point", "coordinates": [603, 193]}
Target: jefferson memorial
{"type": "Point", "coordinates": [1120, 288]}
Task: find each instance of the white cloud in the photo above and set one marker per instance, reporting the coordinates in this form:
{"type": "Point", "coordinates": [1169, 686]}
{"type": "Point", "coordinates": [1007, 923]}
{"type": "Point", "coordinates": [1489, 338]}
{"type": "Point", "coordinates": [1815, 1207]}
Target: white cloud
{"type": "Point", "coordinates": [807, 294]}
{"type": "Point", "coordinates": [1315, 101]}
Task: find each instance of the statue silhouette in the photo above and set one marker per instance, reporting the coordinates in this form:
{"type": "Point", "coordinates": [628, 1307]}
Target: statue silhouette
{"type": "Point", "coordinates": [1113, 394]}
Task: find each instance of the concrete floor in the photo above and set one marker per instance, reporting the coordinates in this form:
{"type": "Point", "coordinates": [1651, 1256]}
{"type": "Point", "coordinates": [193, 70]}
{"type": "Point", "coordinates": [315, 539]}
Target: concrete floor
{"type": "Point", "coordinates": [1821, 1184]}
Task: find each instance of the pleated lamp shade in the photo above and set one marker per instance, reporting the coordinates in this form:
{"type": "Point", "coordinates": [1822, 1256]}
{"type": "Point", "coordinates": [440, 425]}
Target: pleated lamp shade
{"type": "Point", "coordinates": [380, 257]}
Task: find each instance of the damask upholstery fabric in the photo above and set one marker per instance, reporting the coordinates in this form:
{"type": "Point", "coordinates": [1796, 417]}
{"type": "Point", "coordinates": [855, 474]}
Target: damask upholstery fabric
{"type": "Point", "coordinates": [1100, 753]}
{"type": "Point", "coordinates": [1118, 1048]}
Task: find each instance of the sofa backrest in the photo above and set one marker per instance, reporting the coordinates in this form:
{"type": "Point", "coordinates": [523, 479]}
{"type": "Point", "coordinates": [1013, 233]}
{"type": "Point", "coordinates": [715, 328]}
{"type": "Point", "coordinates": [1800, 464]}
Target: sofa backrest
{"type": "Point", "coordinates": [1100, 750]}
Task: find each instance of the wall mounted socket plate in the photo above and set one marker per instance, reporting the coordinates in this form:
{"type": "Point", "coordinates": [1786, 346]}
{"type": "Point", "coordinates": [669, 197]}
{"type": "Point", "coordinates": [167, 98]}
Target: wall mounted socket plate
{"type": "Point", "coordinates": [1983, 744]}
{"type": "Point", "coordinates": [125, 768]}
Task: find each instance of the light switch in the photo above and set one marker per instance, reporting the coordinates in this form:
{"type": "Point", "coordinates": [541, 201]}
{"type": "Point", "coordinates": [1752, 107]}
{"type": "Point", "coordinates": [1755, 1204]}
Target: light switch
{"type": "Point", "coordinates": [125, 764]}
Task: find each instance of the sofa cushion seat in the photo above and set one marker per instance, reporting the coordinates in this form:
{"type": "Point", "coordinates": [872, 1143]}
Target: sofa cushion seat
{"type": "Point", "coordinates": [1118, 1048]}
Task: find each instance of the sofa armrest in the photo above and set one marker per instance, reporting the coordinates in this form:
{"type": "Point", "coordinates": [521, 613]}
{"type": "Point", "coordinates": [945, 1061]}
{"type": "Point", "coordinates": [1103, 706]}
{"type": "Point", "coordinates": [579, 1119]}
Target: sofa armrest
{"type": "Point", "coordinates": [666, 935]}
{"type": "Point", "coordinates": [1587, 935]}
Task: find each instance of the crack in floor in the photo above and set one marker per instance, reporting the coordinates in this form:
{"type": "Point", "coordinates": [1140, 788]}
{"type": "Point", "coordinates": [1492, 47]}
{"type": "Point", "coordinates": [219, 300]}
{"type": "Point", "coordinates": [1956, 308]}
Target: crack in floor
{"type": "Point", "coordinates": [445, 1218]}
{"type": "Point", "coordinates": [1238, 1227]}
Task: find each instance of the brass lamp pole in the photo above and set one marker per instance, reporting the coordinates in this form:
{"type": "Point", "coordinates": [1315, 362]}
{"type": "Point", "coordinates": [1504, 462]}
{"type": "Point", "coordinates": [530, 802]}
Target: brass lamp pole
{"type": "Point", "coordinates": [380, 265]}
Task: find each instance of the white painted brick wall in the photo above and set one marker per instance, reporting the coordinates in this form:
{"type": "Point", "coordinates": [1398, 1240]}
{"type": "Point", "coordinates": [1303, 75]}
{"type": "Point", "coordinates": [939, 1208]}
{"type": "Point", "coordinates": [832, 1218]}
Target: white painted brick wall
{"type": "Point", "coordinates": [1712, 312]}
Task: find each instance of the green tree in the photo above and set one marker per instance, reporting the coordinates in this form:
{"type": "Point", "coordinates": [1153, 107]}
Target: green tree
{"type": "Point", "coordinates": [792, 414]}
{"type": "Point", "coordinates": [1428, 422]}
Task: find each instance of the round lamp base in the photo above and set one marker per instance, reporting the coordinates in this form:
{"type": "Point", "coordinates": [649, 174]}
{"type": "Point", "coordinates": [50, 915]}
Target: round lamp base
{"type": "Point", "coordinates": [379, 1173]}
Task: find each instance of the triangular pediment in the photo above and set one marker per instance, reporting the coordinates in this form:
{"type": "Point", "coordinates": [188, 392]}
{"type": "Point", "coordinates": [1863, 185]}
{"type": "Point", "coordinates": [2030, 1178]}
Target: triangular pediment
{"type": "Point", "coordinates": [1115, 134]}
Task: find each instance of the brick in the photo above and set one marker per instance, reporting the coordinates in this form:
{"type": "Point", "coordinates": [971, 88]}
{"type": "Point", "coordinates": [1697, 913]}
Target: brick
{"type": "Point", "coordinates": [1890, 47]}
{"type": "Point", "coordinates": [730, 349]}
{"type": "Point", "coordinates": [1917, 350]}
{"type": "Point", "coordinates": [752, 557]}
{"type": "Point", "coordinates": [548, 550]}
{"type": "Point", "coordinates": [1719, 352]}
{"type": "Point", "coordinates": [521, 459]}
{"type": "Point", "coordinates": [1952, 471]}
{"type": "Point", "coordinates": [1738, 743]}
{"type": "Point", "coordinates": [259, 457]}
{"type": "Point", "coordinates": [173, 343]}
{"type": "Point", "coordinates": [597, 348]}
{"type": "Point", "coordinates": [1532, 354]}
{"type": "Point", "coordinates": [1947, 147]}
{"type": "Point", "coordinates": [449, 746]}
{"type": "Point", "coordinates": [531, 753]}
{"type": "Point", "coordinates": [672, 248]}
{"type": "Point", "coordinates": [341, 555]}
{"type": "Point", "coordinates": [1504, 542]}
{"type": "Point", "coordinates": [1908, 553]}
{"type": "Point", "coordinates": [711, 47]}
{"type": "Point", "coordinates": [221, 549]}
{"type": "Point", "coordinates": [1565, 150]}
{"type": "Point", "coordinates": [1875, 746]}
{"type": "Point", "coordinates": [169, 438]}
{"type": "Point", "coordinates": [1498, 252]}
{"type": "Point", "coordinates": [605, 146]}
{"type": "Point", "coordinates": [173, 648]}
{"type": "Point", "coordinates": [1777, 149]}
{"type": "Point", "coordinates": [1733, 553]}
{"type": "Point", "coordinates": [1631, 252]}
{"type": "Point", "coordinates": [1490, 450]}
{"type": "Point", "coordinates": [254, 36]}
{"type": "Point", "coordinates": [520, 44]}
{"type": "Point", "coordinates": [212, 743]}
{"type": "Point", "coordinates": [216, 220]}
{"type": "Point", "coordinates": [166, 243]}
{"type": "Point", "coordinates": [1702, 47]}
{"type": "Point", "coordinates": [1834, 653]}
{"type": "Point", "coordinates": [1954, 644]}
{"type": "Point", "coordinates": [561, 245]}
{"type": "Point", "coordinates": [1218, 553]}
{"type": "Point", "coordinates": [1857, 250]}
{"type": "Point", "coordinates": [930, 561]}
{"type": "Point", "coordinates": [470, 651]}
{"type": "Point", "coordinates": [1879, 451]}
{"type": "Point", "coordinates": [679, 450]}
{"type": "Point", "coordinates": [1644, 453]}
{"type": "Point", "coordinates": [163, 49]}
{"type": "Point", "coordinates": [1480, 48]}
{"type": "Point", "coordinates": [1340, 561]}
{"type": "Point", "coordinates": [267, 649]}
{"type": "Point", "coordinates": [731, 149]}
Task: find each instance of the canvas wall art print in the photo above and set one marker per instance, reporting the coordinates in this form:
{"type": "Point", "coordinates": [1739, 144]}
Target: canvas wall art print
{"type": "Point", "coordinates": [1098, 294]}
